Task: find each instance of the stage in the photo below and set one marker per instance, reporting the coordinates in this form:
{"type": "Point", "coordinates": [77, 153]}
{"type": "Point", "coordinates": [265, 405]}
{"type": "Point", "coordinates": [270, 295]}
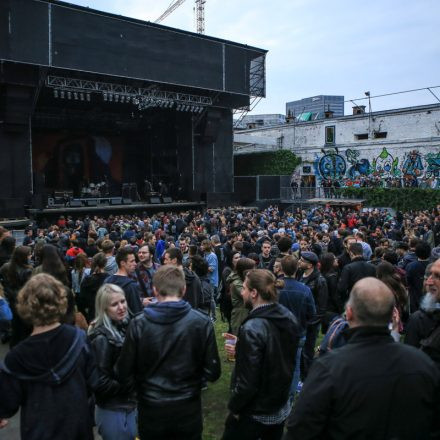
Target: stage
{"type": "Point", "coordinates": [93, 99]}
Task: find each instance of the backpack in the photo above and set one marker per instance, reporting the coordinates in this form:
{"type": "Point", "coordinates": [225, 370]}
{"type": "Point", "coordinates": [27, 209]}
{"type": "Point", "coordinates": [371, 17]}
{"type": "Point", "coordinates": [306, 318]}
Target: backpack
{"type": "Point", "coordinates": [207, 293]}
{"type": "Point", "coordinates": [334, 337]}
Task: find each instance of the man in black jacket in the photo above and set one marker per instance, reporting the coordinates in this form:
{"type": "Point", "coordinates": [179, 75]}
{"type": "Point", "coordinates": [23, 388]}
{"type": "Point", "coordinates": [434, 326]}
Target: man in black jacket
{"type": "Point", "coordinates": [126, 262]}
{"type": "Point", "coordinates": [313, 279]}
{"type": "Point", "coordinates": [265, 360]}
{"type": "Point", "coordinates": [168, 351]}
{"type": "Point", "coordinates": [354, 271]}
{"type": "Point", "coordinates": [193, 291]}
{"type": "Point", "coordinates": [372, 388]}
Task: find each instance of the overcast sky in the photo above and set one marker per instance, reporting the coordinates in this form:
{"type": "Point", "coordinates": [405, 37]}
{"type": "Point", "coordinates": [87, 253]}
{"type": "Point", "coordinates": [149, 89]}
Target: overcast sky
{"type": "Point", "coordinates": [337, 47]}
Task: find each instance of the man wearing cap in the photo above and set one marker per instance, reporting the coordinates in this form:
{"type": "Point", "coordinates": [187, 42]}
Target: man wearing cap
{"type": "Point", "coordinates": [313, 279]}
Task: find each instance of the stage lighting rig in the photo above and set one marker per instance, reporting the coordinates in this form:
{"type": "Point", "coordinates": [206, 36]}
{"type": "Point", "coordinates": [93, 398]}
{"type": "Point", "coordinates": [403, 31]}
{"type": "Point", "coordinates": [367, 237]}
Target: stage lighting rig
{"type": "Point", "coordinates": [142, 98]}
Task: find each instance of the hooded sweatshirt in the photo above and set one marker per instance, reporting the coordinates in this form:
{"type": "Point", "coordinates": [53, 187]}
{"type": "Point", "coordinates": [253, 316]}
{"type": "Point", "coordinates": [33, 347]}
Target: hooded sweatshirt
{"type": "Point", "coordinates": [50, 376]}
{"type": "Point", "coordinates": [131, 290]}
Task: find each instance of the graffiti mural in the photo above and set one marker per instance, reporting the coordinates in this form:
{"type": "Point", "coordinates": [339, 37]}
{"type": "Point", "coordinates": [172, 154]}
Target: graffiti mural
{"type": "Point", "coordinates": [433, 165]}
{"type": "Point", "coordinates": [359, 167]}
{"type": "Point", "coordinates": [386, 165]}
{"type": "Point", "coordinates": [331, 165]}
{"type": "Point", "coordinates": [353, 165]}
{"type": "Point", "coordinates": [412, 164]}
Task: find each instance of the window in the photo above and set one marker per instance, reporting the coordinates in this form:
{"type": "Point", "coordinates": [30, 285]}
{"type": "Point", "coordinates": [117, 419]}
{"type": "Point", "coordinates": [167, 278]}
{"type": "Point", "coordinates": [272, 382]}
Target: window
{"type": "Point", "coordinates": [361, 136]}
{"type": "Point", "coordinates": [380, 134]}
{"type": "Point", "coordinates": [330, 134]}
{"type": "Point", "coordinates": [280, 142]}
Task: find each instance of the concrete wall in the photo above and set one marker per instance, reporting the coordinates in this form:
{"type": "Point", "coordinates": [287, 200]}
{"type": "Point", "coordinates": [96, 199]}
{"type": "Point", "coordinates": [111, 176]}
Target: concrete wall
{"type": "Point", "coordinates": [411, 146]}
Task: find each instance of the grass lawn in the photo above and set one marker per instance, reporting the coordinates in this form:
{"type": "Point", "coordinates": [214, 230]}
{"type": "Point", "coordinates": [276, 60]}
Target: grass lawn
{"type": "Point", "coordinates": [215, 398]}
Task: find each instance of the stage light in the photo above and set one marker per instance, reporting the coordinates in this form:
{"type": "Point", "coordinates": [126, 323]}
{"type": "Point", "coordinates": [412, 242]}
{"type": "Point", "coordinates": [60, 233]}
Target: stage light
{"type": "Point", "coordinates": [116, 98]}
{"type": "Point", "coordinates": [128, 99]}
{"type": "Point", "coordinates": [81, 96]}
{"type": "Point", "coordinates": [75, 95]}
{"type": "Point", "coordinates": [62, 94]}
{"type": "Point", "coordinates": [69, 95]}
{"type": "Point", "coordinates": [110, 97]}
{"type": "Point", "coordinates": [88, 97]}
{"type": "Point", "coordinates": [122, 99]}
{"type": "Point", "coordinates": [178, 107]}
{"type": "Point", "coordinates": [201, 109]}
{"type": "Point", "coordinates": [55, 93]}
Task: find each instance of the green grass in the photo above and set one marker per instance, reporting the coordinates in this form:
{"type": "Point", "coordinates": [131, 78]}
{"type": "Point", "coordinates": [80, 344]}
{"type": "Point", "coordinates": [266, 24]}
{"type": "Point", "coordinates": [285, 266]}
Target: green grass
{"type": "Point", "coordinates": [215, 398]}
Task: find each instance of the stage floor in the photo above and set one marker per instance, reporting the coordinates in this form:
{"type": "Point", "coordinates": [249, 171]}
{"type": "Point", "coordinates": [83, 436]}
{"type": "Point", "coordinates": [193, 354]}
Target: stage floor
{"type": "Point", "coordinates": [109, 209]}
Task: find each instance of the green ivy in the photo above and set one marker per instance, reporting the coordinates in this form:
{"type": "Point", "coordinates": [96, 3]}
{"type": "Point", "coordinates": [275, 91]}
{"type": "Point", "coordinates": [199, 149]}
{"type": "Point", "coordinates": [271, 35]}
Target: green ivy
{"type": "Point", "coordinates": [271, 163]}
{"type": "Point", "coordinates": [402, 199]}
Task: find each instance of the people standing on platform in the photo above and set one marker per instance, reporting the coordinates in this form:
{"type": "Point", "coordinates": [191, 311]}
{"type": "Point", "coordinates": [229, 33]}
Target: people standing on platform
{"type": "Point", "coordinates": [169, 350]}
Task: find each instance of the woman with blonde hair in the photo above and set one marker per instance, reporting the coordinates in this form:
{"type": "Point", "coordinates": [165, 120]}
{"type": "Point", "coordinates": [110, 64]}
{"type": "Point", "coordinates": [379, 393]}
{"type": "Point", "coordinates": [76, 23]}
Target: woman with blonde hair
{"type": "Point", "coordinates": [51, 374]}
{"type": "Point", "coordinates": [115, 404]}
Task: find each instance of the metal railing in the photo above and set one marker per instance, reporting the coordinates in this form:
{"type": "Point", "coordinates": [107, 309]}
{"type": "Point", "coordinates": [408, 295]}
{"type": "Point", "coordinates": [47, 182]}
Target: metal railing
{"type": "Point", "coordinates": [309, 192]}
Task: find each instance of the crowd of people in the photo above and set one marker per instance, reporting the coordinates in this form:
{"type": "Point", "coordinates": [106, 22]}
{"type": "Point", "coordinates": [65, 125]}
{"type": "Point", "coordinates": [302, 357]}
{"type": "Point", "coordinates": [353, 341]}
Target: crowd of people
{"type": "Point", "coordinates": [110, 322]}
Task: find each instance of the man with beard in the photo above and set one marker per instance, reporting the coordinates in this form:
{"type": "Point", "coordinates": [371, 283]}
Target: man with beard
{"type": "Point", "coordinates": [145, 270]}
{"type": "Point", "coordinates": [265, 361]}
{"type": "Point", "coordinates": [425, 323]}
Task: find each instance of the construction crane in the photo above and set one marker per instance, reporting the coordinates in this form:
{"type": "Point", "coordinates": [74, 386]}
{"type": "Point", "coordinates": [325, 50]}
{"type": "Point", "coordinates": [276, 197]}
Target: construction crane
{"type": "Point", "coordinates": [199, 9]}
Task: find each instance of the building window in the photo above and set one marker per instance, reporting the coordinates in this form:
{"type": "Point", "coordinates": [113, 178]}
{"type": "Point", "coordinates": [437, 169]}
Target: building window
{"type": "Point", "coordinates": [280, 142]}
{"type": "Point", "coordinates": [380, 134]}
{"type": "Point", "coordinates": [330, 134]}
{"type": "Point", "coordinates": [361, 136]}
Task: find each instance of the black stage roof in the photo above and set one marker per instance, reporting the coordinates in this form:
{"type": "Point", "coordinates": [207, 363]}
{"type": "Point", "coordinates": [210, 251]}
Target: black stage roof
{"type": "Point", "coordinates": [62, 36]}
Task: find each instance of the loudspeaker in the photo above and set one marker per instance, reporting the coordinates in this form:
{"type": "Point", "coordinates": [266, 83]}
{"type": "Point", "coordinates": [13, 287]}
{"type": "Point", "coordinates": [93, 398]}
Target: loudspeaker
{"type": "Point", "coordinates": [50, 201]}
{"type": "Point", "coordinates": [167, 199]}
{"type": "Point", "coordinates": [154, 200]}
{"type": "Point", "coordinates": [39, 201]}
{"type": "Point", "coordinates": [116, 201]}
{"type": "Point", "coordinates": [127, 201]}
{"type": "Point", "coordinates": [92, 202]}
{"type": "Point", "coordinates": [212, 125]}
{"type": "Point", "coordinates": [75, 203]}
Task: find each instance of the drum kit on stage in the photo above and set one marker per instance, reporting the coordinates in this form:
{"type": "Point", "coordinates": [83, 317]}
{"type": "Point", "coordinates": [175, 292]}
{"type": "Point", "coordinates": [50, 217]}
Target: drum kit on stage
{"type": "Point", "coordinates": [95, 190]}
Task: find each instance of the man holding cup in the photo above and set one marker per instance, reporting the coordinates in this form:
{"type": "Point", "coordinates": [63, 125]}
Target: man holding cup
{"type": "Point", "coordinates": [265, 360]}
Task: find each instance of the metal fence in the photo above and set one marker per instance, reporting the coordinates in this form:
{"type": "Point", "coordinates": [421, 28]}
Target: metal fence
{"type": "Point", "coordinates": [308, 192]}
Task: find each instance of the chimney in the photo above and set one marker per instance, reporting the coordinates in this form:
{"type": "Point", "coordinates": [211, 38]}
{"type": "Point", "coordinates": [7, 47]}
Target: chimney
{"type": "Point", "coordinates": [359, 110]}
{"type": "Point", "coordinates": [328, 114]}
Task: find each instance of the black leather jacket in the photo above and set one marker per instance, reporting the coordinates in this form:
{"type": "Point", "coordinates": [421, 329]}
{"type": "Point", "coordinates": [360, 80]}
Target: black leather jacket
{"type": "Point", "coordinates": [110, 393]}
{"type": "Point", "coordinates": [168, 350]}
{"type": "Point", "coordinates": [265, 361]}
